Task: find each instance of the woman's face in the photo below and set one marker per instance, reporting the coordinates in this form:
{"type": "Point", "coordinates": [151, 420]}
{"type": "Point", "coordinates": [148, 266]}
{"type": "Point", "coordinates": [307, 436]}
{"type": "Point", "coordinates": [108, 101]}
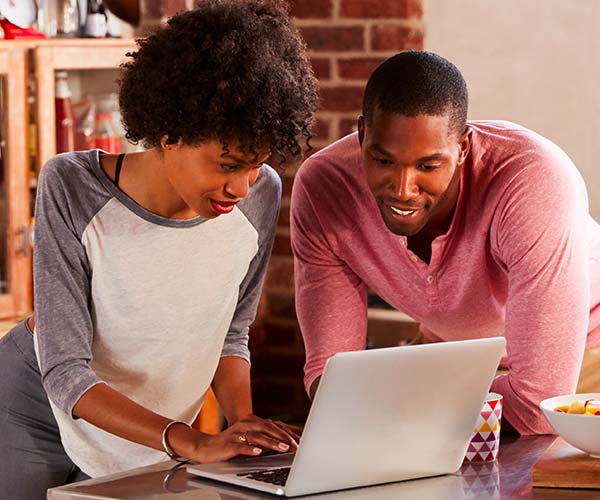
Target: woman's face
{"type": "Point", "coordinates": [209, 179]}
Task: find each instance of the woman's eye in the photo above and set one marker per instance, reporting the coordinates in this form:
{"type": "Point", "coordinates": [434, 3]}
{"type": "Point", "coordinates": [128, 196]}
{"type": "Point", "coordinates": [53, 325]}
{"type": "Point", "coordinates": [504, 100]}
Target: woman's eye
{"type": "Point", "coordinates": [228, 167]}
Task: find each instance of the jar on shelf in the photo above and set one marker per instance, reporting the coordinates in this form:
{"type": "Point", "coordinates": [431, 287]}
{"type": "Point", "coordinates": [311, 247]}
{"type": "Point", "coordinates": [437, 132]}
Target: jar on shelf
{"type": "Point", "coordinates": [107, 130]}
{"type": "Point", "coordinates": [107, 137]}
{"type": "Point", "coordinates": [96, 23]}
{"type": "Point", "coordinates": [65, 123]}
{"type": "Point", "coordinates": [84, 112]}
{"type": "Point", "coordinates": [59, 18]}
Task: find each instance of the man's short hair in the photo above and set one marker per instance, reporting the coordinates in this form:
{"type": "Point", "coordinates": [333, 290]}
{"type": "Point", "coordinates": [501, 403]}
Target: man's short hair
{"type": "Point", "coordinates": [416, 82]}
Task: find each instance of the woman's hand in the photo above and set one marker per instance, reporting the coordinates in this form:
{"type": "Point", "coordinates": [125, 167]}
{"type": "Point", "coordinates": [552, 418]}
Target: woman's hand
{"type": "Point", "coordinates": [250, 436]}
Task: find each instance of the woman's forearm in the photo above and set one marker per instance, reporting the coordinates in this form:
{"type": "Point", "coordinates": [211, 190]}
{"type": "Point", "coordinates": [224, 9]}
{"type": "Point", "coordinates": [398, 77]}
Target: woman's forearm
{"type": "Point", "coordinates": [231, 385]}
{"type": "Point", "coordinates": [113, 412]}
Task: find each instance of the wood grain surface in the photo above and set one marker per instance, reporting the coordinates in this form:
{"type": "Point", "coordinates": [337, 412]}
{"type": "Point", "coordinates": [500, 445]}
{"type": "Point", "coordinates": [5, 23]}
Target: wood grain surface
{"type": "Point", "coordinates": [563, 466]}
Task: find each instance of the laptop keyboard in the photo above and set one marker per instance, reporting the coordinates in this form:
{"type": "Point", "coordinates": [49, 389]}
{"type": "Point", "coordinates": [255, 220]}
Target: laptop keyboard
{"type": "Point", "coordinates": [272, 476]}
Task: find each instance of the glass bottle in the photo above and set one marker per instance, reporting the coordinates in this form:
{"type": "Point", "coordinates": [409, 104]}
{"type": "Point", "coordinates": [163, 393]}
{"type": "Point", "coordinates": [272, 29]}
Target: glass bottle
{"type": "Point", "coordinates": [107, 137]}
{"type": "Point", "coordinates": [107, 132]}
{"type": "Point", "coordinates": [65, 123]}
{"type": "Point", "coordinates": [96, 25]}
{"type": "Point", "coordinates": [59, 18]}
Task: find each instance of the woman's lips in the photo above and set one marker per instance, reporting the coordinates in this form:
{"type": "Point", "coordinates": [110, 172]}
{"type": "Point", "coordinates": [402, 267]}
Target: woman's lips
{"type": "Point", "coordinates": [223, 207]}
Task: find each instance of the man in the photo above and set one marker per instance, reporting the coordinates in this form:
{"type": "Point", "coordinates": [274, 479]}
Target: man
{"type": "Point", "coordinates": [474, 229]}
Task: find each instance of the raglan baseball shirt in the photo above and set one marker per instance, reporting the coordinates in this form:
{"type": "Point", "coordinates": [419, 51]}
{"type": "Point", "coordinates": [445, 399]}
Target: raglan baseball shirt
{"type": "Point", "coordinates": [143, 303]}
{"type": "Point", "coordinates": [521, 259]}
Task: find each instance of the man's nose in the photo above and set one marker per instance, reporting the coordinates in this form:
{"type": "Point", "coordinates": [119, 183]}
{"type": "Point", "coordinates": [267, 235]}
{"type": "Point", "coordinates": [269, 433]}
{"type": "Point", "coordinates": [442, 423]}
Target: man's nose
{"type": "Point", "coordinates": [406, 186]}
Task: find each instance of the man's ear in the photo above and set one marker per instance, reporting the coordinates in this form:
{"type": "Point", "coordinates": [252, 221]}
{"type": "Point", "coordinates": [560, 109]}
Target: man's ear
{"type": "Point", "coordinates": [464, 144]}
{"type": "Point", "coordinates": [361, 129]}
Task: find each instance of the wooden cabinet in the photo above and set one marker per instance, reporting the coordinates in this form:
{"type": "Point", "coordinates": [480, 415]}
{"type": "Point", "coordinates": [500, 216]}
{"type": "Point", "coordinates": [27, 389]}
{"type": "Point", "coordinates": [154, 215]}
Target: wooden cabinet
{"type": "Point", "coordinates": [15, 254]}
{"type": "Point", "coordinates": [38, 59]}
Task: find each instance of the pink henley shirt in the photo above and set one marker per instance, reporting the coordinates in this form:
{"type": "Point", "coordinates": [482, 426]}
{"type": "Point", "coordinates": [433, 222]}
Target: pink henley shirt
{"type": "Point", "coordinates": [521, 259]}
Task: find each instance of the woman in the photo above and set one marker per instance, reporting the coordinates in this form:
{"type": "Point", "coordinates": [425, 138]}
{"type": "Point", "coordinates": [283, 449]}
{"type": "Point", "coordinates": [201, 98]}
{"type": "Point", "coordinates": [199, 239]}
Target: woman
{"type": "Point", "coordinates": [148, 266]}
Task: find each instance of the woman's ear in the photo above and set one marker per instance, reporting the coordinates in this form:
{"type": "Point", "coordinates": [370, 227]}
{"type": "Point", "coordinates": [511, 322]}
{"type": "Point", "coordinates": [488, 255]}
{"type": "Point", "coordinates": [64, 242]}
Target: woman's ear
{"type": "Point", "coordinates": [167, 142]}
{"type": "Point", "coordinates": [164, 142]}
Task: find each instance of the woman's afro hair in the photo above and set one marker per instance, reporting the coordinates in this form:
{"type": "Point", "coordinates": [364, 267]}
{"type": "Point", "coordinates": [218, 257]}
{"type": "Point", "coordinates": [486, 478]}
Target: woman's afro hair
{"type": "Point", "coordinates": [227, 70]}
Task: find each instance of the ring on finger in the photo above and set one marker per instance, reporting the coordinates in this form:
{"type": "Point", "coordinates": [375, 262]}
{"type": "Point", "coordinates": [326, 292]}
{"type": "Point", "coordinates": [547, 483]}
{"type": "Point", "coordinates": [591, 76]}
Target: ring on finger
{"type": "Point", "coordinates": [243, 437]}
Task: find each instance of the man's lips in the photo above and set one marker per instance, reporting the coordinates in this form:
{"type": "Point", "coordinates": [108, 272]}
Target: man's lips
{"type": "Point", "coordinates": [402, 211]}
{"type": "Point", "coordinates": [223, 207]}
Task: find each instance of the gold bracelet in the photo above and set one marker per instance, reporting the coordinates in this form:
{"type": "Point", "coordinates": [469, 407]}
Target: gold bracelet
{"type": "Point", "coordinates": [165, 442]}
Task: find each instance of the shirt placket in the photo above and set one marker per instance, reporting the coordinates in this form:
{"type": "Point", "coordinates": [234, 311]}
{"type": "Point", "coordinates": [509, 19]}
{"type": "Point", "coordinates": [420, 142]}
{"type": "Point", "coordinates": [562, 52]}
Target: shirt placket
{"type": "Point", "coordinates": [428, 273]}
{"type": "Point", "coordinates": [432, 274]}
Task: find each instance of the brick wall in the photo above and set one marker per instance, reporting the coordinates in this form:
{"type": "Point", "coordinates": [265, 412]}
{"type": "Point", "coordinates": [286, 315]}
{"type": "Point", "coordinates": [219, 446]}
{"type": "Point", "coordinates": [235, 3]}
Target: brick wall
{"type": "Point", "coordinates": [346, 40]}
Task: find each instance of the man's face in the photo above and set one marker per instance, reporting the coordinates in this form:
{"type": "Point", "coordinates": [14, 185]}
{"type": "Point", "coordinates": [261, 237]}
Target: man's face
{"type": "Point", "coordinates": [411, 166]}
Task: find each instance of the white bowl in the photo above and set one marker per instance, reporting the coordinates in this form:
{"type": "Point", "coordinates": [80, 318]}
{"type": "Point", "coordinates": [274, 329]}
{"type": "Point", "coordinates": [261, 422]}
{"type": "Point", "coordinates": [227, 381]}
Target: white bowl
{"type": "Point", "coordinates": [581, 431]}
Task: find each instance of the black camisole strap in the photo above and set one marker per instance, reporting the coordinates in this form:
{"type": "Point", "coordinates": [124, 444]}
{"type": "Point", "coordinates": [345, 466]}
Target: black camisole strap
{"type": "Point", "coordinates": [120, 159]}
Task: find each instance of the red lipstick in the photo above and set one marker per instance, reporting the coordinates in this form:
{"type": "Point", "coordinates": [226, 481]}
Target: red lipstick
{"type": "Point", "coordinates": [223, 207]}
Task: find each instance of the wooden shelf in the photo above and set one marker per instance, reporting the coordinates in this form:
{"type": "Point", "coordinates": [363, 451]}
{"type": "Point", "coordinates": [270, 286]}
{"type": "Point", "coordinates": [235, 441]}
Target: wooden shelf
{"type": "Point", "coordinates": [46, 57]}
{"type": "Point", "coordinates": [66, 42]}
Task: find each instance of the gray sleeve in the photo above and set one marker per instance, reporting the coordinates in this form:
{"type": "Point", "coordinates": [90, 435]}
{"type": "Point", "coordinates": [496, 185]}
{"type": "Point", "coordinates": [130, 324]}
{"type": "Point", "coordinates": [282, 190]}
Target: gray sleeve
{"type": "Point", "coordinates": [62, 280]}
{"type": "Point", "coordinates": [262, 210]}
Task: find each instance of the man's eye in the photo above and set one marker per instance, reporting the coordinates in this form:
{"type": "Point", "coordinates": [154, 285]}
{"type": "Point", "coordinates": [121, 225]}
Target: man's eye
{"type": "Point", "coordinates": [427, 168]}
{"type": "Point", "coordinates": [382, 161]}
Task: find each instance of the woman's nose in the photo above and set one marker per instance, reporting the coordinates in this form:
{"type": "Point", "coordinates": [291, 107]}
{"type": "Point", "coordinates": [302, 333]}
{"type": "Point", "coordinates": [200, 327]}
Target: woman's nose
{"type": "Point", "coordinates": [239, 185]}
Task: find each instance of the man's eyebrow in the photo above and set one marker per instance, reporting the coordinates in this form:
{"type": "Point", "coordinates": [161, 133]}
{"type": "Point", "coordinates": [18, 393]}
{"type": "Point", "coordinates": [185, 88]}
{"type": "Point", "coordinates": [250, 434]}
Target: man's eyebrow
{"type": "Point", "coordinates": [380, 150]}
{"type": "Point", "coordinates": [433, 157]}
{"type": "Point", "coordinates": [383, 151]}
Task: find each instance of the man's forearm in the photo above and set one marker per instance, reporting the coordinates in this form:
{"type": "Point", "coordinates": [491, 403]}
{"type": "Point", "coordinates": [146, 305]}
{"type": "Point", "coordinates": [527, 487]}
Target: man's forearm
{"type": "Point", "coordinates": [231, 385]}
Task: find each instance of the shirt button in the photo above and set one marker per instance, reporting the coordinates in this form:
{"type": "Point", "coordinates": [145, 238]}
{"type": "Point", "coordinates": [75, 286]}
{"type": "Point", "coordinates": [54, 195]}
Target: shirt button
{"type": "Point", "coordinates": [414, 258]}
{"type": "Point", "coordinates": [429, 279]}
{"type": "Point", "coordinates": [403, 242]}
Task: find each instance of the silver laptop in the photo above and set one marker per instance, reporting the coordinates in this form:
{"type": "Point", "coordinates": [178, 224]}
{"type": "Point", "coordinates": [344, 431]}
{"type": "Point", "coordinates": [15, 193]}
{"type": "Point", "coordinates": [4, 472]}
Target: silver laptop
{"type": "Point", "coordinates": [379, 416]}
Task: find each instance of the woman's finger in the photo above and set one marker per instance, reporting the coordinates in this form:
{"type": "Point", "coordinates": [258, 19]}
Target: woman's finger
{"type": "Point", "coordinates": [254, 438]}
{"type": "Point", "coordinates": [245, 449]}
{"type": "Point", "coordinates": [294, 431]}
{"type": "Point", "coordinates": [270, 429]}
